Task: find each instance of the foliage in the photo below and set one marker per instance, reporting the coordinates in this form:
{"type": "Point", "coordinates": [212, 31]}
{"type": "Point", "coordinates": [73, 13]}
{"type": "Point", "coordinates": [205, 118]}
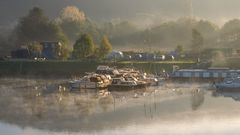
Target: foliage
{"type": "Point", "coordinates": [197, 42]}
{"type": "Point", "coordinates": [71, 29]}
{"type": "Point", "coordinates": [209, 32]}
{"type": "Point", "coordinates": [179, 49]}
{"type": "Point", "coordinates": [37, 27]}
{"type": "Point", "coordinates": [84, 47]}
{"type": "Point", "coordinates": [71, 20]}
{"type": "Point", "coordinates": [64, 53]}
{"type": "Point", "coordinates": [36, 48]}
{"type": "Point", "coordinates": [72, 13]}
{"type": "Point", "coordinates": [230, 33]}
{"type": "Point", "coordinates": [105, 48]}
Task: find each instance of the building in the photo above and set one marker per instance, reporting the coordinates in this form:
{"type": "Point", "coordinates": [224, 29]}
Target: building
{"type": "Point", "coordinates": [50, 50]}
{"type": "Point", "coordinates": [21, 53]}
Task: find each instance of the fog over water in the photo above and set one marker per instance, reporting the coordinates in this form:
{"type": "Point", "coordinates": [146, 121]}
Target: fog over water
{"type": "Point", "coordinates": [39, 107]}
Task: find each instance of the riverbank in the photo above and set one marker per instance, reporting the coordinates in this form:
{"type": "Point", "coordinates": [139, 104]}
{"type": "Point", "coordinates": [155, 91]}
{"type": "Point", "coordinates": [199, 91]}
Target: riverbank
{"type": "Point", "coordinates": [73, 68]}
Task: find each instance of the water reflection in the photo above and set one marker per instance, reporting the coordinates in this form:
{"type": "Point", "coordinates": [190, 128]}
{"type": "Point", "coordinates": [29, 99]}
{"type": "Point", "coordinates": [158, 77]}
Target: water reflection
{"type": "Point", "coordinates": [234, 95]}
{"type": "Point", "coordinates": [43, 107]}
{"type": "Point", "coordinates": [197, 98]}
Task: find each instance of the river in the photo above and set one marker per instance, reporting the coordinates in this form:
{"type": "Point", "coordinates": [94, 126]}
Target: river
{"type": "Point", "coordinates": [40, 107]}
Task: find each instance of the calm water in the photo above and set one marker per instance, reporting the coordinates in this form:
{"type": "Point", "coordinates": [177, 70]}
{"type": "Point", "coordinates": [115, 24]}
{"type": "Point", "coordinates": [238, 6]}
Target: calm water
{"type": "Point", "coordinates": [38, 107]}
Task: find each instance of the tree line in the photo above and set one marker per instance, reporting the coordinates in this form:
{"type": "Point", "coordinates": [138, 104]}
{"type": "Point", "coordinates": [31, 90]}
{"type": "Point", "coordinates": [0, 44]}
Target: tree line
{"type": "Point", "coordinates": [37, 27]}
{"type": "Point", "coordinates": [73, 28]}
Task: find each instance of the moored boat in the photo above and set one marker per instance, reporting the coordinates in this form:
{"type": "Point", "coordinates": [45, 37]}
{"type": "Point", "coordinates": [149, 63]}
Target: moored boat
{"type": "Point", "coordinates": [123, 84]}
{"type": "Point", "coordinates": [229, 84]}
{"type": "Point", "coordinates": [91, 81]}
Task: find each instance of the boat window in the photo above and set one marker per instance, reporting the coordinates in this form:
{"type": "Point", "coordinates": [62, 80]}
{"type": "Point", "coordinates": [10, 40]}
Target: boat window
{"type": "Point", "coordinates": [224, 75]}
{"type": "Point", "coordinates": [85, 79]}
{"type": "Point", "coordinates": [186, 74]}
{"type": "Point", "coordinates": [177, 74]}
{"type": "Point", "coordinates": [197, 74]}
{"type": "Point", "coordinates": [115, 81]}
{"type": "Point", "coordinates": [215, 75]}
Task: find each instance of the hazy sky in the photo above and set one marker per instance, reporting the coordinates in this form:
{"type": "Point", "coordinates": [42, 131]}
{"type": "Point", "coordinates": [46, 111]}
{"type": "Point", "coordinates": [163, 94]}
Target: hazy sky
{"type": "Point", "coordinates": [102, 10]}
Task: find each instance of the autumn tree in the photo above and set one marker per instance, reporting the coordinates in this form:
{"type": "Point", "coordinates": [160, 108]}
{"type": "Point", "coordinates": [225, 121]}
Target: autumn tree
{"type": "Point", "coordinates": [35, 48]}
{"type": "Point", "coordinates": [72, 13]}
{"type": "Point", "coordinates": [64, 53]}
{"type": "Point", "coordinates": [71, 20]}
{"type": "Point", "coordinates": [105, 48]}
{"type": "Point", "coordinates": [84, 47]}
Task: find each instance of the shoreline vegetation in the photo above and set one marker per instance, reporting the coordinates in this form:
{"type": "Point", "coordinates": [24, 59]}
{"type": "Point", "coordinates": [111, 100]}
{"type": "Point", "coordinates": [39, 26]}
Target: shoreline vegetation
{"type": "Point", "coordinates": [75, 68]}
{"type": "Point", "coordinates": [29, 68]}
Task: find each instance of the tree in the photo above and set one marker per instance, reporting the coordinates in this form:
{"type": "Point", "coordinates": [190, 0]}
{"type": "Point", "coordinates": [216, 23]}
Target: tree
{"type": "Point", "coordinates": [64, 53]}
{"type": "Point", "coordinates": [197, 41]}
{"type": "Point", "coordinates": [71, 20]}
{"type": "Point", "coordinates": [105, 48]}
{"type": "Point", "coordinates": [72, 13]}
{"type": "Point", "coordinates": [179, 49]}
{"type": "Point", "coordinates": [35, 48]}
{"type": "Point", "coordinates": [231, 25]}
{"type": "Point", "coordinates": [230, 33]}
{"type": "Point", "coordinates": [208, 30]}
{"type": "Point", "coordinates": [36, 27]}
{"type": "Point", "coordinates": [84, 47]}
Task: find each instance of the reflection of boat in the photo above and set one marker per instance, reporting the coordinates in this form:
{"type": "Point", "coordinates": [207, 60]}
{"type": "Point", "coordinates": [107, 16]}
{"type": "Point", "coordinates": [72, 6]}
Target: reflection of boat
{"type": "Point", "coordinates": [90, 82]}
{"type": "Point", "coordinates": [123, 84]}
{"type": "Point", "coordinates": [235, 96]}
{"type": "Point", "coordinates": [229, 84]}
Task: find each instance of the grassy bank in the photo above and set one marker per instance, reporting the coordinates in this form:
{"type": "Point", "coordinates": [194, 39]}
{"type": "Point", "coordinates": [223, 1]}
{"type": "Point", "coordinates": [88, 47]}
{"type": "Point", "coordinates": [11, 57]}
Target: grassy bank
{"type": "Point", "coordinates": [72, 68]}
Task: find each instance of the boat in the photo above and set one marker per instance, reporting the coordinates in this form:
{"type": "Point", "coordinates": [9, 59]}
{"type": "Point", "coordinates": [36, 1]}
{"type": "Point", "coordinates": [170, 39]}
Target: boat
{"type": "Point", "coordinates": [123, 84]}
{"type": "Point", "coordinates": [91, 81]}
{"type": "Point", "coordinates": [106, 70]}
{"type": "Point", "coordinates": [151, 79]}
{"type": "Point", "coordinates": [216, 74]}
{"type": "Point", "coordinates": [234, 95]}
{"type": "Point", "coordinates": [229, 84]}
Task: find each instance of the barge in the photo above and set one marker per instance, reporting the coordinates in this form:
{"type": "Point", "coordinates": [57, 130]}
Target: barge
{"type": "Point", "coordinates": [229, 85]}
{"type": "Point", "coordinates": [211, 74]}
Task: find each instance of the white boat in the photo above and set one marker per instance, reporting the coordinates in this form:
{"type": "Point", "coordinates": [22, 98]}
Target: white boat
{"type": "Point", "coordinates": [93, 81]}
{"type": "Point", "coordinates": [123, 84]}
{"type": "Point", "coordinates": [151, 79]}
{"type": "Point", "coordinates": [106, 70]}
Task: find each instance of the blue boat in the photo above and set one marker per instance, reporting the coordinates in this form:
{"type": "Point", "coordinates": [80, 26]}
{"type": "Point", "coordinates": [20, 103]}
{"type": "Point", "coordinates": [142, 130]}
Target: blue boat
{"type": "Point", "coordinates": [204, 74]}
{"type": "Point", "coordinates": [231, 84]}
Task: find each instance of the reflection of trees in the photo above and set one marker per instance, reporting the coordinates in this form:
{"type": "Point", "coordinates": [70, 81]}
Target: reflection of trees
{"type": "Point", "coordinates": [84, 106]}
{"type": "Point", "coordinates": [197, 99]}
{"type": "Point", "coordinates": [106, 103]}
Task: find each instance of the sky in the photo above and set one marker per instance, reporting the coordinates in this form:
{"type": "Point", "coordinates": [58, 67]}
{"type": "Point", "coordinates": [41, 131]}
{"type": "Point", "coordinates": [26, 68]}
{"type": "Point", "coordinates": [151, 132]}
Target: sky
{"type": "Point", "coordinates": [217, 11]}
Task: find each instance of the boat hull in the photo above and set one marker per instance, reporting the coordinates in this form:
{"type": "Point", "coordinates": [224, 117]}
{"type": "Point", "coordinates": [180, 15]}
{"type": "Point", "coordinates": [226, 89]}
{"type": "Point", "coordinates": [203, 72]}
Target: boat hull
{"type": "Point", "coordinates": [126, 88]}
{"type": "Point", "coordinates": [221, 88]}
{"type": "Point", "coordinates": [78, 85]}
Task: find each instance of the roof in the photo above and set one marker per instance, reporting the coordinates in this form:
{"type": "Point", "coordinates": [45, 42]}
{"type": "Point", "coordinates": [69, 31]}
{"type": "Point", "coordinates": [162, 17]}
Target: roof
{"type": "Point", "coordinates": [207, 70]}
